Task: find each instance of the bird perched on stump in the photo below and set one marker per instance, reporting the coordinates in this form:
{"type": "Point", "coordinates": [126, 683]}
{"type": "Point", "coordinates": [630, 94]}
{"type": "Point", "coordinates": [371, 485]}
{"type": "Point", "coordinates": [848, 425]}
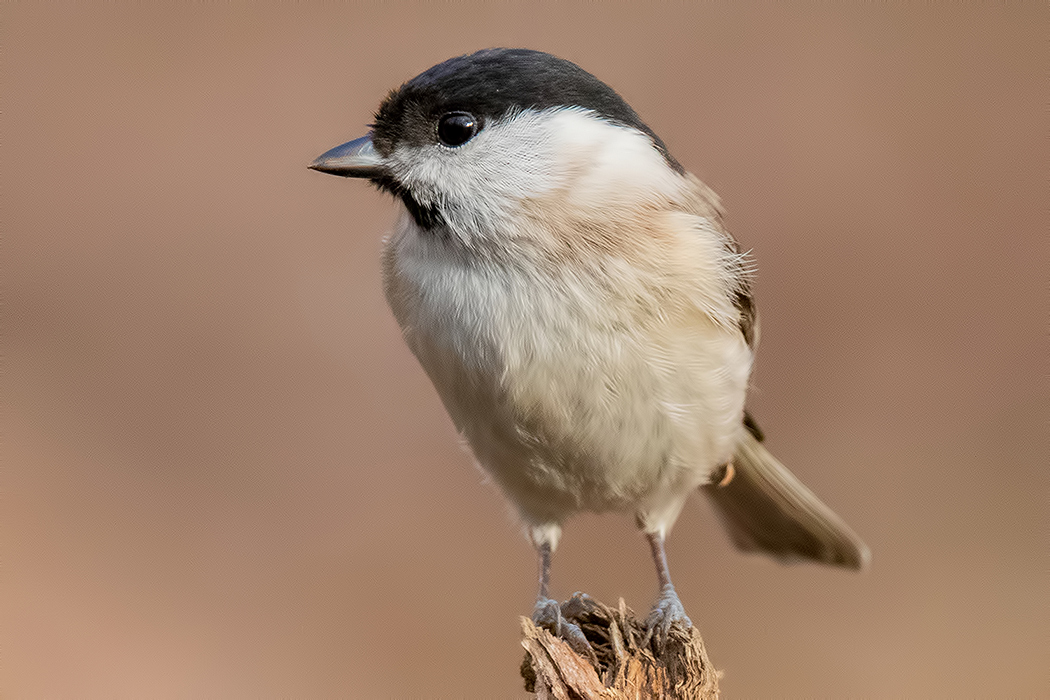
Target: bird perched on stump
{"type": "Point", "coordinates": [581, 309]}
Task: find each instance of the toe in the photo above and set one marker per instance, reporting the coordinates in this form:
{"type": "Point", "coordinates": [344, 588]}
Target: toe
{"type": "Point", "coordinates": [547, 614]}
{"type": "Point", "coordinates": [667, 612]}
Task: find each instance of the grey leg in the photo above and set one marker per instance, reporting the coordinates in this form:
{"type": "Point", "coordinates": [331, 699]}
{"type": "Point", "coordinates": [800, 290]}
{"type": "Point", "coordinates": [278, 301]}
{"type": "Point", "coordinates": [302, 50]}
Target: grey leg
{"type": "Point", "coordinates": [547, 612]}
{"type": "Point", "coordinates": [668, 608]}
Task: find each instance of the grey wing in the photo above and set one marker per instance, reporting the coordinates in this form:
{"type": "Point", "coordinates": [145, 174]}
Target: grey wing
{"type": "Point", "coordinates": [706, 203]}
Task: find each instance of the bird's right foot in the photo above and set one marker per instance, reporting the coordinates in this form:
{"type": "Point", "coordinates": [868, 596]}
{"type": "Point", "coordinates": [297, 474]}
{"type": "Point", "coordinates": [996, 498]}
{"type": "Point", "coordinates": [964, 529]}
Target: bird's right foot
{"type": "Point", "coordinates": [547, 614]}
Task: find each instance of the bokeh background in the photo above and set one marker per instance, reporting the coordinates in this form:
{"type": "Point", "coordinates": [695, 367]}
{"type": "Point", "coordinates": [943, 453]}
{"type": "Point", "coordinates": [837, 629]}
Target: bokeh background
{"type": "Point", "coordinates": [225, 476]}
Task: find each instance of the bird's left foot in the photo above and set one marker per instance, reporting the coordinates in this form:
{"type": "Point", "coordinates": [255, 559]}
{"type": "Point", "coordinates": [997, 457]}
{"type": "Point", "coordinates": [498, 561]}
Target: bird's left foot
{"type": "Point", "coordinates": [667, 612]}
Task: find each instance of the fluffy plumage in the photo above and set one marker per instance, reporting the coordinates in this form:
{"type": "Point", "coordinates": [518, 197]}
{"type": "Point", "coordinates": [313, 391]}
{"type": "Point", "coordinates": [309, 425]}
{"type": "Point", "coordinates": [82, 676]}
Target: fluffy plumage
{"type": "Point", "coordinates": [576, 314]}
{"type": "Point", "coordinates": [583, 313]}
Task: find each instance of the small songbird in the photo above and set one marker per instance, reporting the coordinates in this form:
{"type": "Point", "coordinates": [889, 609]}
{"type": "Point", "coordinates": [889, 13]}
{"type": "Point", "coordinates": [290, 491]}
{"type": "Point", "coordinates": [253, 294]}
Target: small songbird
{"type": "Point", "coordinates": [576, 300]}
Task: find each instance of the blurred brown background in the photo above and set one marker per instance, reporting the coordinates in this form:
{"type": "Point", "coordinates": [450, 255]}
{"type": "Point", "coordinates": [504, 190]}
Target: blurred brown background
{"type": "Point", "coordinates": [224, 475]}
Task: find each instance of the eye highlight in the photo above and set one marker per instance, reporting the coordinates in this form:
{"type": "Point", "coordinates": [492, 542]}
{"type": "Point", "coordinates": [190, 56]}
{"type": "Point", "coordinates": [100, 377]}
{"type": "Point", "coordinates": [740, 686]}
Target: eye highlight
{"type": "Point", "coordinates": [456, 128]}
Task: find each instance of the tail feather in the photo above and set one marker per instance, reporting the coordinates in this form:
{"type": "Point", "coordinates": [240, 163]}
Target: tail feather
{"type": "Point", "coordinates": [767, 509]}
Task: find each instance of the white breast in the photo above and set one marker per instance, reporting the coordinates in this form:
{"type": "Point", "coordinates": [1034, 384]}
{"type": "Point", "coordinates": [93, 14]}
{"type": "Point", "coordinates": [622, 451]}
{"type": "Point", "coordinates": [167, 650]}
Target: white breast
{"type": "Point", "coordinates": [591, 365]}
{"type": "Point", "coordinates": [574, 391]}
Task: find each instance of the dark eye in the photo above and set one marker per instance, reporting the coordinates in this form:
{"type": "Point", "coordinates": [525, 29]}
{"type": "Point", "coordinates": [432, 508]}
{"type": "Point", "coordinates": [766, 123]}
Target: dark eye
{"type": "Point", "coordinates": [456, 128]}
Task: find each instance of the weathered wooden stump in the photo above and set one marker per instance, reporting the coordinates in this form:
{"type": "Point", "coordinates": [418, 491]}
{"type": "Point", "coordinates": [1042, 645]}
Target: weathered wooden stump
{"type": "Point", "coordinates": [627, 665]}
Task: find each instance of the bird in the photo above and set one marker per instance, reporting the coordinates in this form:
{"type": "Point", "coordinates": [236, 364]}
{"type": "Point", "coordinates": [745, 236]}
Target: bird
{"type": "Point", "coordinates": [579, 305]}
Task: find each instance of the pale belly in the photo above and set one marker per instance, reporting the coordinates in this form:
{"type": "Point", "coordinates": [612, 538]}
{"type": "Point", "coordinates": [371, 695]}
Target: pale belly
{"type": "Point", "coordinates": [569, 399]}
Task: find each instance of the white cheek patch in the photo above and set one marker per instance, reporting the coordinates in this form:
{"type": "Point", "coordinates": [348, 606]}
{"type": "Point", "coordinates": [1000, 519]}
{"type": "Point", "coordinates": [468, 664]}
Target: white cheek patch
{"type": "Point", "coordinates": [609, 164]}
{"type": "Point", "coordinates": [476, 185]}
{"type": "Point", "coordinates": [480, 185]}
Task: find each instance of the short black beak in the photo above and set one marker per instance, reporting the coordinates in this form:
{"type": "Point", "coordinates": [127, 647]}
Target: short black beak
{"type": "Point", "coordinates": [358, 158]}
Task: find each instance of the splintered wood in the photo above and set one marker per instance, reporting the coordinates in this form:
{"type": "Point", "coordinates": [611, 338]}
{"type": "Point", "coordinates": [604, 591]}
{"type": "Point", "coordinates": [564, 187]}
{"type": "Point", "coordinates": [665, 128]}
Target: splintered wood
{"type": "Point", "coordinates": [628, 665]}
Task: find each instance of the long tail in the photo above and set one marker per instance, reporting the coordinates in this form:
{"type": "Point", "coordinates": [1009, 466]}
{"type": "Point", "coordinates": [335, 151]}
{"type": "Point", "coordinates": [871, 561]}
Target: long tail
{"type": "Point", "coordinates": [767, 509]}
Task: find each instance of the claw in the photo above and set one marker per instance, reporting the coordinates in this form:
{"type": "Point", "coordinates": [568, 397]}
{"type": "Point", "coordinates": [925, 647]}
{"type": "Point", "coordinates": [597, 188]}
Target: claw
{"type": "Point", "coordinates": [667, 612]}
{"type": "Point", "coordinates": [579, 604]}
{"type": "Point", "coordinates": [548, 614]}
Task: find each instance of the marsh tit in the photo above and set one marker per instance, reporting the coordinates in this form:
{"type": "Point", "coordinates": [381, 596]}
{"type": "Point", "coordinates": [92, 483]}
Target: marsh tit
{"type": "Point", "coordinates": [576, 300]}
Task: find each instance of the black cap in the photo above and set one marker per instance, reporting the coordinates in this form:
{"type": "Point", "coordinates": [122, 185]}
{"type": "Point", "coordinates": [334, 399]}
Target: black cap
{"type": "Point", "coordinates": [490, 84]}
